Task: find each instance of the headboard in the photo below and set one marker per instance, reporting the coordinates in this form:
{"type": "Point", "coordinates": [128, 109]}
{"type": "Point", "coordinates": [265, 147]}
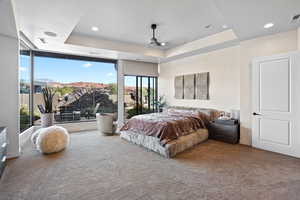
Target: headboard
{"type": "Point", "coordinates": [209, 112]}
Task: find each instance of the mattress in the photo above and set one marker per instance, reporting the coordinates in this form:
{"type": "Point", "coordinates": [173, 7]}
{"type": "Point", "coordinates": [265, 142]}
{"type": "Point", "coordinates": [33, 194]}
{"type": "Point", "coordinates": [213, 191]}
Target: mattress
{"type": "Point", "coordinates": [170, 149]}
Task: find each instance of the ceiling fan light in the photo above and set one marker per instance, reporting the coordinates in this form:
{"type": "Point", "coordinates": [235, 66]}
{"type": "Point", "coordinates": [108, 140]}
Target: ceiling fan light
{"type": "Point", "coordinates": [95, 28]}
{"type": "Point", "coordinates": [268, 25]}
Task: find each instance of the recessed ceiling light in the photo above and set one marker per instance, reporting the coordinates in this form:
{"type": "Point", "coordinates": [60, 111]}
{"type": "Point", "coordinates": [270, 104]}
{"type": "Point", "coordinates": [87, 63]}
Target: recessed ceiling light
{"type": "Point", "coordinates": [163, 44]}
{"type": "Point", "coordinates": [224, 26]}
{"type": "Point", "coordinates": [95, 28]}
{"type": "Point", "coordinates": [268, 25]}
{"type": "Point", "coordinates": [49, 33]}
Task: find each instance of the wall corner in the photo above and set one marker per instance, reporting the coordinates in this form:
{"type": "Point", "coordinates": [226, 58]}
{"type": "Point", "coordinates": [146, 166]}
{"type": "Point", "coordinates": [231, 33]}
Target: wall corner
{"type": "Point", "coordinates": [298, 38]}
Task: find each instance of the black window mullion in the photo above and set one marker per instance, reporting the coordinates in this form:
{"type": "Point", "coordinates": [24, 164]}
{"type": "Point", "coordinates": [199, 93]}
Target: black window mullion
{"type": "Point", "coordinates": [153, 100]}
{"type": "Point", "coordinates": [156, 98]}
{"type": "Point", "coordinates": [141, 93]}
{"type": "Point", "coordinates": [137, 94]}
{"type": "Point", "coordinates": [148, 91]}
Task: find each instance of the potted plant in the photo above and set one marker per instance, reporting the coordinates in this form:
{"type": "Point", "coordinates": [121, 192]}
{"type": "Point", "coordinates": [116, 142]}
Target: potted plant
{"type": "Point", "coordinates": [47, 115]}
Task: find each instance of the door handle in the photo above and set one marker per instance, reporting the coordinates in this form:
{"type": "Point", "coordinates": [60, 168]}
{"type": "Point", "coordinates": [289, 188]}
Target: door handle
{"type": "Point", "coordinates": [256, 113]}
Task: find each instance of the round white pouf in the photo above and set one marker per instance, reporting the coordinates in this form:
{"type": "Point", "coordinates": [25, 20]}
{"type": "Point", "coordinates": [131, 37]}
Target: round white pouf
{"type": "Point", "coordinates": [52, 139]}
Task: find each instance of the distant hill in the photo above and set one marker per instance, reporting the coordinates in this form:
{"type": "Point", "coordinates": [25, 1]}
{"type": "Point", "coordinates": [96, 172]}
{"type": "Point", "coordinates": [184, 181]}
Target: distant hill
{"type": "Point", "coordinates": [86, 84]}
{"type": "Point", "coordinates": [78, 84]}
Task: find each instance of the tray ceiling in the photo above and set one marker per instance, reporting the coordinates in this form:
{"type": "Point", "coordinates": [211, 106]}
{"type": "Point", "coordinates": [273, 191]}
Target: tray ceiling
{"type": "Point", "coordinates": [127, 23]}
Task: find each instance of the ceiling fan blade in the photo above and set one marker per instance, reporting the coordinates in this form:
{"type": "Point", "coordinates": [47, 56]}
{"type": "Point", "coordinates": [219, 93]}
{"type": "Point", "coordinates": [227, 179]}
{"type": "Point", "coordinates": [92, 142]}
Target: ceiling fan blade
{"type": "Point", "coordinates": [153, 40]}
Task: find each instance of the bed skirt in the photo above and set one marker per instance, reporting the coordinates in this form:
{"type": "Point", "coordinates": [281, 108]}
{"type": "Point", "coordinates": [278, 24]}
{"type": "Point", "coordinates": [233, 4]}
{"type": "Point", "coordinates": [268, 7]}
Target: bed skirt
{"type": "Point", "coordinates": [172, 148]}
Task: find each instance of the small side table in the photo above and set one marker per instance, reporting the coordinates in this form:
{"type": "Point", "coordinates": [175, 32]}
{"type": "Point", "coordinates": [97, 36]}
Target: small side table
{"type": "Point", "coordinates": [225, 130]}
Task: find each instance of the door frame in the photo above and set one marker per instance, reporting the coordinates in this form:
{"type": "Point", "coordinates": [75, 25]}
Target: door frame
{"type": "Point", "coordinates": [294, 59]}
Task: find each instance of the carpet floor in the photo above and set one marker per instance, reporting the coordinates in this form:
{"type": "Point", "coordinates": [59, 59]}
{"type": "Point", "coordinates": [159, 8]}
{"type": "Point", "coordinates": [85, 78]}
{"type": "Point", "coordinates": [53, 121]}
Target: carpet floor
{"type": "Point", "coordinates": [97, 167]}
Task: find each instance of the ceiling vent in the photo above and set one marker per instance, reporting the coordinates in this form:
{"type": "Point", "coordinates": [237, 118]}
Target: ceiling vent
{"type": "Point", "coordinates": [50, 34]}
{"type": "Point", "coordinates": [94, 53]}
{"type": "Point", "coordinates": [295, 18]}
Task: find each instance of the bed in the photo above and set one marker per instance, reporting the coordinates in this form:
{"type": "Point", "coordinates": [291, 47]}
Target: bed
{"type": "Point", "coordinates": [170, 132]}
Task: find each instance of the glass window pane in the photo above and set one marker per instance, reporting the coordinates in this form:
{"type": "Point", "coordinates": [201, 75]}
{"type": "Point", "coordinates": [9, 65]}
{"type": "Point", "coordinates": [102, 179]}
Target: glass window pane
{"type": "Point", "coordinates": [139, 95]}
{"type": "Point", "coordinates": [152, 94]}
{"type": "Point", "coordinates": [24, 94]}
{"type": "Point", "coordinates": [83, 88]}
{"type": "Point", "coordinates": [145, 95]}
{"type": "Point", "coordinates": [130, 96]}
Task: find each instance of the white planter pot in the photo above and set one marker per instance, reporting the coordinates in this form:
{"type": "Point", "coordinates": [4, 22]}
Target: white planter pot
{"type": "Point", "coordinates": [105, 123]}
{"type": "Point", "coordinates": [47, 119]}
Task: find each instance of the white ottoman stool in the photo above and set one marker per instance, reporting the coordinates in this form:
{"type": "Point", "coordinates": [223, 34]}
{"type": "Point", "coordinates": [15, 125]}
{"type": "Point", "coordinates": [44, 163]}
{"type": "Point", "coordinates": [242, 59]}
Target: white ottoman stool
{"type": "Point", "coordinates": [51, 140]}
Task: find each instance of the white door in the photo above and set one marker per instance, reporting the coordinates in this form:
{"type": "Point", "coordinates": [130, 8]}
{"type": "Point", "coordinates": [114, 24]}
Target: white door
{"type": "Point", "coordinates": [276, 103]}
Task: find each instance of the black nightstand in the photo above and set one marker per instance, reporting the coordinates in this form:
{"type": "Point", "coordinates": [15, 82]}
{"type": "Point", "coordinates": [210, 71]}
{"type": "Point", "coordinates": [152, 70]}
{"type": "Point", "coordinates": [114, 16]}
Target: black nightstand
{"type": "Point", "coordinates": [224, 130]}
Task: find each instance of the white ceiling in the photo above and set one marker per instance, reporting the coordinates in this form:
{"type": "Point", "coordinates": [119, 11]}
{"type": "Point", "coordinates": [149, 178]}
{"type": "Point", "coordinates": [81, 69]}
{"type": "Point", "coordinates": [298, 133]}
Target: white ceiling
{"type": "Point", "coordinates": [248, 17]}
{"type": "Point", "coordinates": [128, 22]}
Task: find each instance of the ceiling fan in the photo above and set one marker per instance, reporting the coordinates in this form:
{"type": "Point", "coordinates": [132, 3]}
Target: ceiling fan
{"type": "Point", "coordinates": [153, 40]}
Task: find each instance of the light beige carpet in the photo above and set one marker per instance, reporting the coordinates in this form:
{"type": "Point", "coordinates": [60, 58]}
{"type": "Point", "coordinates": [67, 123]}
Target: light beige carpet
{"type": "Point", "coordinates": [97, 167]}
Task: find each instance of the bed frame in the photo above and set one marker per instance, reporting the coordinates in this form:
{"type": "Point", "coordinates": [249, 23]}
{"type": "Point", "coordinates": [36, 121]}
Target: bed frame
{"type": "Point", "coordinates": [172, 148]}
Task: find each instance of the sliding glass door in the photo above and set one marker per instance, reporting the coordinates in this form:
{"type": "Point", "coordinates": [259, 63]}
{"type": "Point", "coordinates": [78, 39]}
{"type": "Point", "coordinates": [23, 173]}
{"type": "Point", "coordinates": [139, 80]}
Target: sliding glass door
{"type": "Point", "coordinates": [140, 95]}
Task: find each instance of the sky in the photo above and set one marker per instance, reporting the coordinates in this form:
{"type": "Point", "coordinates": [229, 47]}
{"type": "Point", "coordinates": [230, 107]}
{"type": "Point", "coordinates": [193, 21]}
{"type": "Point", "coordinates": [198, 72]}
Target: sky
{"type": "Point", "coordinates": [68, 71]}
{"type": "Point", "coordinates": [131, 81]}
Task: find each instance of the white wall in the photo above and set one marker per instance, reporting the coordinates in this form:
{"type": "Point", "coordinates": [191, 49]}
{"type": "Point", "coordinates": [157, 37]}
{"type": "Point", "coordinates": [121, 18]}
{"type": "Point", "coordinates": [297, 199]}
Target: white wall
{"type": "Point", "coordinates": [224, 73]}
{"type": "Point", "coordinates": [298, 38]}
{"type": "Point", "coordinates": [229, 75]}
{"type": "Point", "coordinates": [9, 86]}
{"type": "Point", "coordinates": [263, 46]}
{"type": "Point", "coordinates": [120, 93]}
{"type": "Point", "coordinates": [139, 68]}
{"type": "Point", "coordinates": [9, 80]}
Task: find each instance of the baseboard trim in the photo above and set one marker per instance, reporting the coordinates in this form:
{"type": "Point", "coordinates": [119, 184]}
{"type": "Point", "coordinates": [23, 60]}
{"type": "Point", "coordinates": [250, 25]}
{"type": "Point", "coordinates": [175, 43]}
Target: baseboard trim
{"type": "Point", "coordinates": [77, 126]}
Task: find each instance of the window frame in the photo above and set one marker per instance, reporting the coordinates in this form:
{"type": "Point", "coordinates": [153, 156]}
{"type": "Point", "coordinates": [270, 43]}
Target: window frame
{"type": "Point", "coordinates": [139, 88]}
{"type": "Point", "coordinates": [33, 53]}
